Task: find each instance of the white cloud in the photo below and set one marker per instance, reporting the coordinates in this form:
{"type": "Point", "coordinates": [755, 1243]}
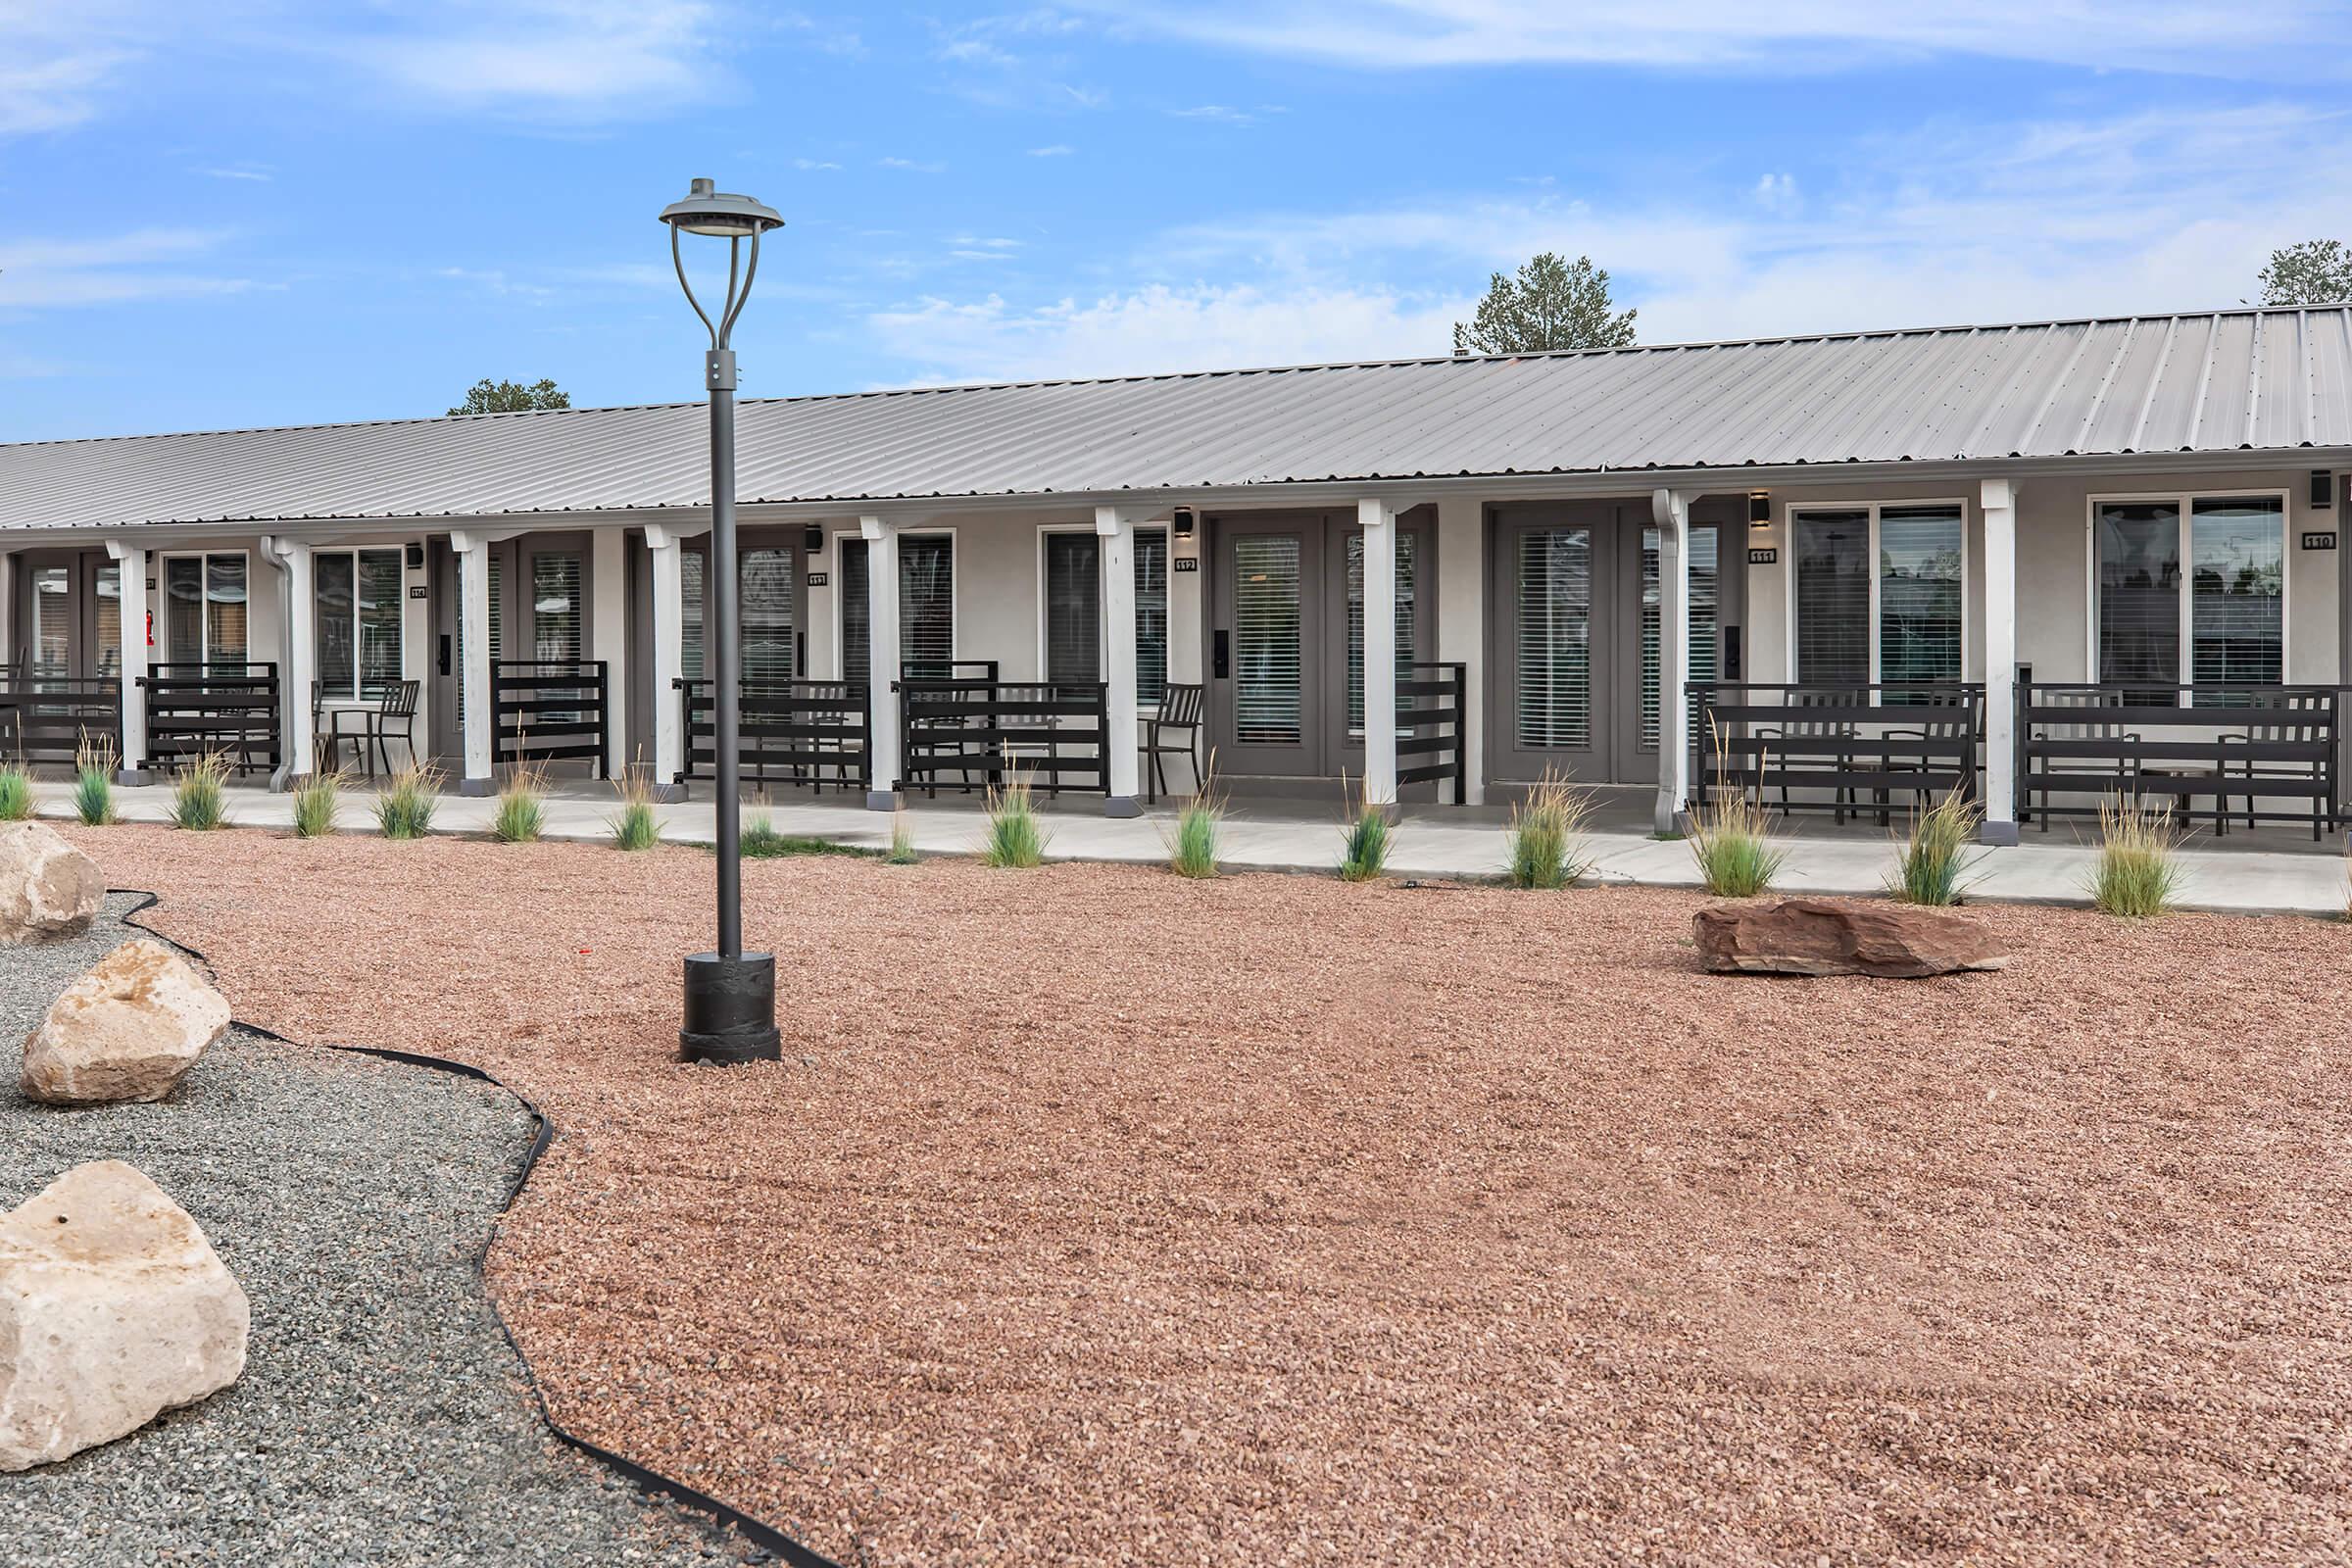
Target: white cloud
{"type": "Point", "coordinates": [561, 56]}
{"type": "Point", "coordinates": [255, 174]}
{"type": "Point", "coordinates": [813, 165]}
{"type": "Point", "coordinates": [143, 264]}
{"type": "Point", "coordinates": [60, 65]}
{"type": "Point", "coordinates": [912, 165]}
{"type": "Point", "coordinates": [1057, 150]}
{"type": "Point", "coordinates": [1226, 113]}
{"type": "Point", "coordinates": [2256, 38]}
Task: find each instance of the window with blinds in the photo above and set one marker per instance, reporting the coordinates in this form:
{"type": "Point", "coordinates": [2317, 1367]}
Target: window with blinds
{"type": "Point", "coordinates": [556, 618]}
{"type": "Point", "coordinates": [689, 615]}
{"type": "Point", "coordinates": [2138, 545]}
{"type": "Point", "coordinates": [110, 621]}
{"type": "Point", "coordinates": [203, 609]}
{"type": "Point", "coordinates": [1407, 613]}
{"type": "Point", "coordinates": [926, 606]}
{"type": "Point", "coordinates": [2237, 590]}
{"type": "Point", "coordinates": [766, 592]}
{"type": "Point", "coordinates": [1073, 608]}
{"type": "Point", "coordinates": [1920, 589]}
{"type": "Point", "coordinates": [497, 625]}
{"type": "Point", "coordinates": [1270, 674]}
{"type": "Point", "coordinates": [1707, 590]}
{"type": "Point", "coordinates": [1832, 596]}
{"type": "Point", "coordinates": [1553, 639]}
{"type": "Point", "coordinates": [358, 605]}
{"type": "Point", "coordinates": [52, 621]}
{"type": "Point", "coordinates": [1151, 615]}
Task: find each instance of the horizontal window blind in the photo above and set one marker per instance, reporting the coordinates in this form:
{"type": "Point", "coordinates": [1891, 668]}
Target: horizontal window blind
{"type": "Point", "coordinates": [1832, 596]}
{"type": "Point", "coordinates": [555, 625]}
{"type": "Point", "coordinates": [1151, 615]}
{"type": "Point", "coordinates": [379, 609]}
{"type": "Point", "coordinates": [224, 610]}
{"type": "Point", "coordinates": [52, 620]}
{"type": "Point", "coordinates": [1706, 593]}
{"type": "Point", "coordinates": [926, 606]}
{"type": "Point", "coordinates": [1919, 590]}
{"type": "Point", "coordinates": [1267, 650]}
{"type": "Point", "coordinates": [764, 588]}
{"type": "Point", "coordinates": [110, 621]}
{"type": "Point", "coordinates": [1073, 608]}
{"type": "Point", "coordinates": [1553, 639]}
{"type": "Point", "coordinates": [1407, 613]}
{"type": "Point", "coordinates": [2139, 547]}
{"type": "Point", "coordinates": [689, 614]}
{"type": "Point", "coordinates": [337, 625]}
{"type": "Point", "coordinates": [2238, 588]}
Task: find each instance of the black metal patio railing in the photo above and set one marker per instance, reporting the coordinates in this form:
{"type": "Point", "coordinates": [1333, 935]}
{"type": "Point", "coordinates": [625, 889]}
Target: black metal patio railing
{"type": "Point", "coordinates": [549, 711]}
{"type": "Point", "coordinates": [195, 709]}
{"type": "Point", "coordinates": [46, 720]}
{"type": "Point", "coordinates": [1853, 748]}
{"type": "Point", "coordinates": [2223, 754]}
{"type": "Point", "coordinates": [1431, 699]}
{"type": "Point", "coordinates": [806, 732]}
{"type": "Point", "coordinates": [976, 728]}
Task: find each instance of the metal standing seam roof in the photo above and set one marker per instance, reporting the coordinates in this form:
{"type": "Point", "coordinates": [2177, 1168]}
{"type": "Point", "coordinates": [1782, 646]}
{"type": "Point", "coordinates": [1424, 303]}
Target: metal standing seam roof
{"type": "Point", "coordinates": [2249, 379]}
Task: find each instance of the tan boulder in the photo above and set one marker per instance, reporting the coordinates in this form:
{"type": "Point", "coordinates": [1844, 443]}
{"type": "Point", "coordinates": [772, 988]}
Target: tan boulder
{"type": "Point", "coordinates": [1813, 936]}
{"type": "Point", "coordinates": [112, 1309]}
{"type": "Point", "coordinates": [130, 1029]}
{"type": "Point", "coordinates": [48, 887]}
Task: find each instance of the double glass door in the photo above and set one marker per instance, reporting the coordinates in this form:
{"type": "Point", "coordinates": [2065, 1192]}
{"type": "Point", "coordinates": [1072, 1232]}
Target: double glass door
{"type": "Point", "coordinates": [1287, 638]}
{"type": "Point", "coordinates": [69, 616]}
{"type": "Point", "coordinates": [1577, 600]}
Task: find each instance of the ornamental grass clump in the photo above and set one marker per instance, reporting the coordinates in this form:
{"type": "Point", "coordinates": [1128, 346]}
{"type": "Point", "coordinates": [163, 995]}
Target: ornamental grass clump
{"type": "Point", "coordinates": [317, 805]}
{"type": "Point", "coordinates": [1200, 832]}
{"type": "Point", "coordinates": [1546, 835]}
{"type": "Point", "coordinates": [760, 839]}
{"type": "Point", "coordinates": [1016, 839]}
{"type": "Point", "coordinates": [1731, 838]}
{"type": "Point", "coordinates": [1365, 841]}
{"type": "Point", "coordinates": [405, 808]}
{"type": "Point", "coordinates": [200, 794]}
{"type": "Point", "coordinates": [1932, 860]}
{"type": "Point", "coordinates": [902, 841]}
{"type": "Point", "coordinates": [16, 795]}
{"type": "Point", "coordinates": [520, 815]}
{"type": "Point", "coordinates": [94, 784]}
{"type": "Point", "coordinates": [2139, 873]}
{"type": "Point", "coordinates": [635, 827]}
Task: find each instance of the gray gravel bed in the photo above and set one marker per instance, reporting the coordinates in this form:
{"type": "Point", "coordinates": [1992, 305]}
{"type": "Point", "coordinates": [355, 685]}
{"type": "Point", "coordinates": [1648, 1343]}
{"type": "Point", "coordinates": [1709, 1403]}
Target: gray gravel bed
{"type": "Point", "coordinates": [382, 1417]}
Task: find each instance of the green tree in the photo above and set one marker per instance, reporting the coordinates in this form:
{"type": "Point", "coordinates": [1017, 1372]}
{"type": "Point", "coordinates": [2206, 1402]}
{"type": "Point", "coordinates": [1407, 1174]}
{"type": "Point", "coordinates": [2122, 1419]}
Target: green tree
{"type": "Point", "coordinates": [512, 397]}
{"type": "Point", "coordinates": [1551, 305]}
{"type": "Point", "coordinates": [2317, 271]}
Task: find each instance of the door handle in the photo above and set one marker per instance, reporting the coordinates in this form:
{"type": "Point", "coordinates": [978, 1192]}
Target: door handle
{"type": "Point", "coordinates": [1731, 652]}
{"type": "Point", "coordinates": [445, 653]}
{"type": "Point", "coordinates": [1220, 658]}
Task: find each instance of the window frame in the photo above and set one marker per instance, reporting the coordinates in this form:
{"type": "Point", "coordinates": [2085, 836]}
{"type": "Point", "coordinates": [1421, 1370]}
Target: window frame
{"type": "Point", "coordinates": [841, 540]}
{"type": "Point", "coordinates": [1168, 538]}
{"type": "Point", "coordinates": [163, 580]}
{"type": "Point", "coordinates": [1792, 509]}
{"type": "Point", "coordinates": [2184, 666]}
{"type": "Point", "coordinates": [398, 550]}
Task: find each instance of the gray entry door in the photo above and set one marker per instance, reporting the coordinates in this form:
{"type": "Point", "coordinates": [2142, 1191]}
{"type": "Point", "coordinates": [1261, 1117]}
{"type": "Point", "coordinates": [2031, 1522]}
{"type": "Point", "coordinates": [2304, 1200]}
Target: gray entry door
{"type": "Point", "coordinates": [1557, 607]}
{"type": "Point", "coordinates": [1715, 599]}
{"type": "Point", "coordinates": [1267, 652]}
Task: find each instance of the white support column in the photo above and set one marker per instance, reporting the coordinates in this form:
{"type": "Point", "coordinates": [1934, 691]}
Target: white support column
{"type": "Point", "coordinates": [1378, 519]}
{"type": "Point", "coordinates": [609, 638]}
{"type": "Point", "coordinates": [669, 661]}
{"type": "Point", "coordinates": [130, 582]}
{"type": "Point", "coordinates": [1114, 526]}
{"type": "Point", "coordinates": [473, 549]}
{"type": "Point", "coordinates": [1670, 511]}
{"type": "Point", "coordinates": [881, 536]}
{"type": "Point", "coordinates": [1999, 499]}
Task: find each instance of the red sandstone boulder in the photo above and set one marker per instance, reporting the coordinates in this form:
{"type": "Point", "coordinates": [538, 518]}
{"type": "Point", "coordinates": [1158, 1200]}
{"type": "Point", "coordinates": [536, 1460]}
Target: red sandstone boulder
{"type": "Point", "coordinates": [1812, 936]}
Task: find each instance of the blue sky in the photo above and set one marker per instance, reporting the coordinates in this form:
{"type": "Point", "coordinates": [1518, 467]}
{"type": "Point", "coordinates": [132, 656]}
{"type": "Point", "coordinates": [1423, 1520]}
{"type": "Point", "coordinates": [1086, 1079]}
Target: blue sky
{"type": "Point", "coordinates": [247, 212]}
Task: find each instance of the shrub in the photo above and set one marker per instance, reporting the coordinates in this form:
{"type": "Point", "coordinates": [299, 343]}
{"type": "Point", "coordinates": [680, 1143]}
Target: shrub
{"type": "Point", "coordinates": [199, 800]}
{"type": "Point", "coordinates": [405, 808]}
{"type": "Point", "coordinates": [902, 841]}
{"type": "Point", "coordinates": [1731, 838]}
{"type": "Point", "coordinates": [2138, 873]}
{"type": "Point", "coordinates": [1932, 861]}
{"type": "Point", "coordinates": [1548, 835]}
{"type": "Point", "coordinates": [318, 802]}
{"type": "Point", "coordinates": [521, 812]}
{"type": "Point", "coordinates": [634, 826]}
{"type": "Point", "coordinates": [94, 783]}
{"type": "Point", "coordinates": [1016, 839]}
{"type": "Point", "coordinates": [16, 795]}
{"type": "Point", "coordinates": [1366, 842]}
{"type": "Point", "coordinates": [760, 841]}
{"type": "Point", "coordinates": [1199, 829]}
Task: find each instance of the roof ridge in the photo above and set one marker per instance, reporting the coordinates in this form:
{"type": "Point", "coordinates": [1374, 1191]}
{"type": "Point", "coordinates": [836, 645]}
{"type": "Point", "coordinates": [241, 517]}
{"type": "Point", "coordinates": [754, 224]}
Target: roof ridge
{"type": "Point", "coordinates": [1860, 335]}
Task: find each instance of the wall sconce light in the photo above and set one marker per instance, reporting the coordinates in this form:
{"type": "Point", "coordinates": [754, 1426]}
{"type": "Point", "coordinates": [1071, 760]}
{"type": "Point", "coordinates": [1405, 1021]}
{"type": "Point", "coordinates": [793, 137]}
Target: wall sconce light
{"type": "Point", "coordinates": [1183, 522]}
{"type": "Point", "coordinates": [2323, 488]}
{"type": "Point", "coordinates": [812, 539]}
{"type": "Point", "coordinates": [1759, 508]}
{"type": "Point", "coordinates": [415, 557]}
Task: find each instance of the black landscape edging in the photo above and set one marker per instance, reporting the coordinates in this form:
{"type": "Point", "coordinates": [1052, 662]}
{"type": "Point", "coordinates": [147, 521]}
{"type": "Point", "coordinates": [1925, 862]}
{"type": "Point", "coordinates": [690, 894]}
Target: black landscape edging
{"type": "Point", "coordinates": [761, 1534]}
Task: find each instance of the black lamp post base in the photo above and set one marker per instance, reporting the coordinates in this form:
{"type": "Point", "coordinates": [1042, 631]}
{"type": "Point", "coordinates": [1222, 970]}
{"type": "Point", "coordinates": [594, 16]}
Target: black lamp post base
{"type": "Point", "coordinates": [730, 1009]}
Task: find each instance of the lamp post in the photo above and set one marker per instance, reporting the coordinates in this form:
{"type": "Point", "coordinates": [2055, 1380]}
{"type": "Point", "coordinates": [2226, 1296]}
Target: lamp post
{"type": "Point", "coordinates": [730, 993]}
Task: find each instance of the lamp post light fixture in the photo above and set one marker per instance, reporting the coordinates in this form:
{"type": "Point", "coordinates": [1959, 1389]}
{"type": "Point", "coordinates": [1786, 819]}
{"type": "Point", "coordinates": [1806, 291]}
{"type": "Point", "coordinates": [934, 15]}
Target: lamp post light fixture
{"type": "Point", "coordinates": [730, 993]}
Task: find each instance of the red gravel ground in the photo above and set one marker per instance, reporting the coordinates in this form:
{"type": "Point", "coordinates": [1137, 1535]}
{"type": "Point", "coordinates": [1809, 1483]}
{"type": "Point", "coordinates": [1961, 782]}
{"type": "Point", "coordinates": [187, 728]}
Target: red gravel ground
{"type": "Point", "coordinates": [1098, 1216]}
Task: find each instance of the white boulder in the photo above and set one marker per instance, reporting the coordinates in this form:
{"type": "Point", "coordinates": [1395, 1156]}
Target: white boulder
{"type": "Point", "coordinates": [112, 1309]}
{"type": "Point", "coordinates": [48, 887]}
{"type": "Point", "coordinates": [130, 1029]}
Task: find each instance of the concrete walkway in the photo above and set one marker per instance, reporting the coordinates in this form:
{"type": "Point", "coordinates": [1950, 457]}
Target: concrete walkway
{"type": "Point", "coordinates": [1431, 841]}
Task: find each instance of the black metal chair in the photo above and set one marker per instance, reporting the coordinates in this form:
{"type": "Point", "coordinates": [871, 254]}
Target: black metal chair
{"type": "Point", "coordinates": [1180, 715]}
{"type": "Point", "coordinates": [2053, 772]}
{"type": "Point", "coordinates": [392, 719]}
{"type": "Point", "coordinates": [1808, 734]}
{"type": "Point", "coordinates": [2303, 720]}
{"type": "Point", "coordinates": [1958, 731]}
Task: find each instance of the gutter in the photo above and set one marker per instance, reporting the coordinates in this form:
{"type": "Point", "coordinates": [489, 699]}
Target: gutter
{"type": "Point", "coordinates": [273, 550]}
